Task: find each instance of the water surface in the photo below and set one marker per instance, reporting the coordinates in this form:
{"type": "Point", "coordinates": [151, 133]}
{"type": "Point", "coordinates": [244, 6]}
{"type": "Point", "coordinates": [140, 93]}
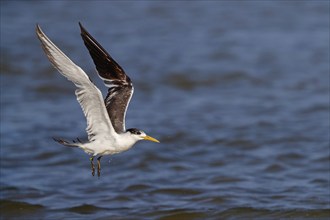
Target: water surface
{"type": "Point", "coordinates": [237, 92]}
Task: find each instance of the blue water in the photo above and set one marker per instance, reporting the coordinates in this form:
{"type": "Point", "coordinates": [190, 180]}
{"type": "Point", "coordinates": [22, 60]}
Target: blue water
{"type": "Point", "coordinates": [237, 93]}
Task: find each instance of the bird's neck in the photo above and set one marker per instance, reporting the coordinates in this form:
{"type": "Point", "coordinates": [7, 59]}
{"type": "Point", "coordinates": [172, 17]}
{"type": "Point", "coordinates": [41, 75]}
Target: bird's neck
{"type": "Point", "coordinates": [126, 141]}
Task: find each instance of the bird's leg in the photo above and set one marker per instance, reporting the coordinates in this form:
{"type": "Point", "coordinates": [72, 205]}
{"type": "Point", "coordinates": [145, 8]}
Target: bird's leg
{"type": "Point", "coordinates": [99, 166]}
{"type": "Point", "coordinates": [92, 164]}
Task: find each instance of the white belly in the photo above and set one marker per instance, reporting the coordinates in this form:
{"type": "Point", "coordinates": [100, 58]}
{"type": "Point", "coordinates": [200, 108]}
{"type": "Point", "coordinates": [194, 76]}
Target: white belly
{"type": "Point", "coordinates": [106, 147]}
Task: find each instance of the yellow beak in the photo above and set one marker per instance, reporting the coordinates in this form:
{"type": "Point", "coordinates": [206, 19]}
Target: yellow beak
{"type": "Point", "coordinates": [148, 138]}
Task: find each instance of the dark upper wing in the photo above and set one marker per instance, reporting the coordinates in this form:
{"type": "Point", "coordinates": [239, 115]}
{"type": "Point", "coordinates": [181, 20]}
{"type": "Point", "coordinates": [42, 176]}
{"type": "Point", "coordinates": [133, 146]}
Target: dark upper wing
{"type": "Point", "coordinates": [120, 86]}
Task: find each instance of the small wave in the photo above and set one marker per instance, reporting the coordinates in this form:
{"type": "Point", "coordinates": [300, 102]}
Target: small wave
{"type": "Point", "coordinates": [138, 187]}
{"type": "Point", "coordinates": [183, 214]}
{"type": "Point", "coordinates": [85, 209]}
{"type": "Point", "coordinates": [51, 88]}
{"type": "Point", "coordinates": [238, 213]}
{"type": "Point", "coordinates": [274, 168]}
{"type": "Point", "coordinates": [15, 209]}
{"type": "Point", "coordinates": [189, 81]}
{"type": "Point", "coordinates": [253, 213]}
{"type": "Point", "coordinates": [177, 191]}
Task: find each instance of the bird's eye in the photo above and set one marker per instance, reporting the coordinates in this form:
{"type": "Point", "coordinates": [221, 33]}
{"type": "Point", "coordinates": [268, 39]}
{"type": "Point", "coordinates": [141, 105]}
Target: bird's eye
{"type": "Point", "coordinates": [138, 133]}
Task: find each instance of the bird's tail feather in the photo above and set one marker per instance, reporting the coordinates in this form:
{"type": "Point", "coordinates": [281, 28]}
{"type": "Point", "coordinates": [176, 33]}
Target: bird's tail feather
{"type": "Point", "coordinates": [68, 144]}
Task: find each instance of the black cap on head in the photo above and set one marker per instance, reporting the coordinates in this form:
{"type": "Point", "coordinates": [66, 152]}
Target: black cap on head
{"type": "Point", "coordinates": [134, 131]}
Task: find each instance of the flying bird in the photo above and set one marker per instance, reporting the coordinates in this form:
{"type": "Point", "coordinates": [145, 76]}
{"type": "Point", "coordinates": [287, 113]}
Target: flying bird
{"type": "Point", "coordinates": [106, 130]}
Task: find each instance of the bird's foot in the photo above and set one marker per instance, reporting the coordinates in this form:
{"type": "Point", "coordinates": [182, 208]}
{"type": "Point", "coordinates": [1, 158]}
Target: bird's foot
{"type": "Point", "coordinates": [92, 165]}
{"type": "Point", "coordinates": [99, 166]}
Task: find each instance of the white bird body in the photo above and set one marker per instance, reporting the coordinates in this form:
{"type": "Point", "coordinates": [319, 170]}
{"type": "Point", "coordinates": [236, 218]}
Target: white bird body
{"type": "Point", "coordinates": [109, 145]}
{"type": "Point", "coordinates": [106, 130]}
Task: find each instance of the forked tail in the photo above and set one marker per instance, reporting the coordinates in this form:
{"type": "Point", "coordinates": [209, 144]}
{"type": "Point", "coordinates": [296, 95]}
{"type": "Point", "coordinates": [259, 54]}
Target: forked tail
{"type": "Point", "coordinates": [68, 144]}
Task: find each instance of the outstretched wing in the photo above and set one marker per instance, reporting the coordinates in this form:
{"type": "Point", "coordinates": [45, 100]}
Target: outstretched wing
{"type": "Point", "coordinates": [120, 86]}
{"type": "Point", "coordinates": [88, 95]}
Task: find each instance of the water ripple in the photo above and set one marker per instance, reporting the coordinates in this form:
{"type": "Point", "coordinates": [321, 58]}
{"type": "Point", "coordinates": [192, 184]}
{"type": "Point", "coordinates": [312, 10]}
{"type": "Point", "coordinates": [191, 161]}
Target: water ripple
{"type": "Point", "coordinates": [241, 108]}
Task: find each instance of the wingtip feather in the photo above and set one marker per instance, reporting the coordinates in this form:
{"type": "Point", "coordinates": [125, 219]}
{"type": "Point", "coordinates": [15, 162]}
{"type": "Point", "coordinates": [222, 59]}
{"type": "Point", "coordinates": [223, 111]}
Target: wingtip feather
{"type": "Point", "coordinates": [38, 30]}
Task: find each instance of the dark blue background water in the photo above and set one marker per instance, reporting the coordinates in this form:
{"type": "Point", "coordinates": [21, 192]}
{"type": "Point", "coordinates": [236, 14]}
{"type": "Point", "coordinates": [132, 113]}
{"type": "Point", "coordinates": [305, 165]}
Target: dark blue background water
{"type": "Point", "coordinates": [237, 92]}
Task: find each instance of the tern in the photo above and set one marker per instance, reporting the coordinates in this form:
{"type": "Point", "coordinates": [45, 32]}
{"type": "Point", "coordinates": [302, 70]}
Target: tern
{"type": "Point", "coordinates": [106, 130]}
